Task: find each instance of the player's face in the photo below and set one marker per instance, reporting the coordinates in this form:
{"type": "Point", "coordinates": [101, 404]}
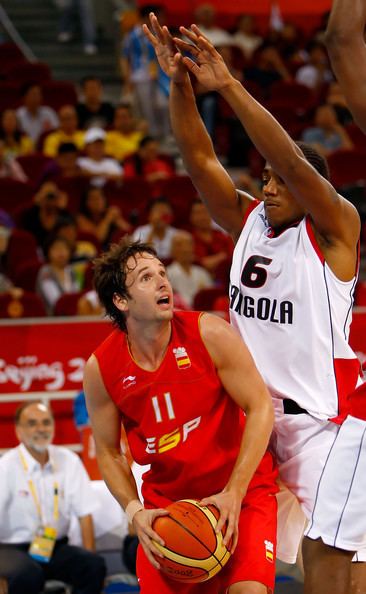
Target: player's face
{"type": "Point", "coordinates": [151, 295]}
{"type": "Point", "coordinates": [280, 206]}
{"type": "Point", "coordinates": [36, 427]}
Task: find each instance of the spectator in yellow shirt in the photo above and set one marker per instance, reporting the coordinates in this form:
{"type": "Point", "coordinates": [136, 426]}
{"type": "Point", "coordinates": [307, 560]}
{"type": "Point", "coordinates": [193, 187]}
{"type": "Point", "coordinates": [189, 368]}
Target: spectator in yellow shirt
{"type": "Point", "coordinates": [67, 132]}
{"type": "Point", "coordinates": [124, 138]}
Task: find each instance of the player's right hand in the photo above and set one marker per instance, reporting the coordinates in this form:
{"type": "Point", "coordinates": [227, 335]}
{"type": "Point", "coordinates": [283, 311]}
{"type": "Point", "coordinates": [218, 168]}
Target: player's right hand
{"type": "Point", "coordinates": [168, 56]}
{"type": "Point", "coordinates": [142, 523]}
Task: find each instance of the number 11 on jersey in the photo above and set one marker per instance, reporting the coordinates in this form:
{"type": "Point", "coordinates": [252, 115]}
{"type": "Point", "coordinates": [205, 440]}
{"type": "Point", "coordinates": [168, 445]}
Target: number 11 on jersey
{"type": "Point", "coordinates": [168, 407]}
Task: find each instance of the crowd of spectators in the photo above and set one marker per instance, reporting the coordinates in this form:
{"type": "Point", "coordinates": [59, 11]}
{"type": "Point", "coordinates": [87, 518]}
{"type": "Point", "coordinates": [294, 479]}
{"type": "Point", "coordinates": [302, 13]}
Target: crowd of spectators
{"type": "Point", "coordinates": [85, 173]}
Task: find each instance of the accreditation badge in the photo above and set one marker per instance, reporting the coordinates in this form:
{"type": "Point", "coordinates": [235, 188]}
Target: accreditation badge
{"type": "Point", "coordinates": [41, 547]}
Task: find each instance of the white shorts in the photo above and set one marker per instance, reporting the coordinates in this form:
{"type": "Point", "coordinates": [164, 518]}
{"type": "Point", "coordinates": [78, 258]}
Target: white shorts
{"type": "Point", "coordinates": [339, 514]}
{"type": "Point", "coordinates": [307, 451]}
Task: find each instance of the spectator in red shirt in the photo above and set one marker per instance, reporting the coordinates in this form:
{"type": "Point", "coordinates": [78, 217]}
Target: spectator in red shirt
{"type": "Point", "coordinates": [147, 163]}
{"type": "Point", "coordinates": [212, 247]}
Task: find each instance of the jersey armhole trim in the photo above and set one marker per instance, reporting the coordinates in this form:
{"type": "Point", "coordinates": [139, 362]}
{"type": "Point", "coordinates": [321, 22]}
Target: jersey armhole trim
{"type": "Point", "coordinates": [313, 240]}
{"type": "Point", "coordinates": [249, 209]}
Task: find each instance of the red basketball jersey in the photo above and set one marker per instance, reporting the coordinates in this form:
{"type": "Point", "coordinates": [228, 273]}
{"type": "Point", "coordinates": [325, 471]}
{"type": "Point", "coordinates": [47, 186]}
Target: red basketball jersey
{"type": "Point", "coordinates": [177, 418]}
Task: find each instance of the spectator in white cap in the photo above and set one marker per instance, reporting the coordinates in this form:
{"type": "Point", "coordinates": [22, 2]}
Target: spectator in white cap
{"type": "Point", "coordinates": [95, 164]}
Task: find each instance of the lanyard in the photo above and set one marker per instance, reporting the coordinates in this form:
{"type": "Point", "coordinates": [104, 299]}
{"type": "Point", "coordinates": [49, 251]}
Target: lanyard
{"type": "Point", "coordinates": [33, 491]}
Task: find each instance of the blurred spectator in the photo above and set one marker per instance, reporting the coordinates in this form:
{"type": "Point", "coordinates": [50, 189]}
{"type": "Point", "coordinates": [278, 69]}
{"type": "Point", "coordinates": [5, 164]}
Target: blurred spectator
{"type": "Point", "coordinates": [82, 250]}
{"type": "Point", "coordinates": [267, 67]}
{"type": "Point", "coordinates": [93, 111]}
{"type": "Point", "coordinates": [147, 163]}
{"type": "Point", "coordinates": [9, 167]}
{"type": "Point", "coordinates": [6, 285]}
{"type": "Point", "coordinates": [68, 131]}
{"type": "Point", "coordinates": [186, 278]}
{"type": "Point", "coordinates": [95, 164]}
{"type": "Point", "coordinates": [125, 136]}
{"type": "Point", "coordinates": [245, 182]}
{"type": "Point", "coordinates": [143, 77]}
{"type": "Point", "coordinates": [49, 205]}
{"type": "Point", "coordinates": [211, 246]}
{"type": "Point", "coordinates": [33, 117]}
{"type": "Point", "coordinates": [337, 99]}
{"type": "Point", "coordinates": [289, 42]}
{"type": "Point", "coordinates": [65, 165]}
{"type": "Point", "coordinates": [99, 219]}
{"type": "Point", "coordinates": [85, 12]}
{"type": "Point", "coordinates": [57, 276]}
{"type": "Point", "coordinates": [89, 305]}
{"type": "Point", "coordinates": [158, 231]}
{"type": "Point", "coordinates": [245, 35]}
{"type": "Point", "coordinates": [205, 19]}
{"type": "Point", "coordinates": [327, 135]}
{"type": "Point", "coordinates": [316, 72]}
{"type": "Point", "coordinates": [42, 487]}
{"type": "Point", "coordinates": [16, 143]}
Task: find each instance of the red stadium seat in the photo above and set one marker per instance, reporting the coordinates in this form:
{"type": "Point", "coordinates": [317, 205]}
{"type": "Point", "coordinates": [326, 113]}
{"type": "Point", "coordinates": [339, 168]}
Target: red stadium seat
{"type": "Point", "coordinates": [26, 274]}
{"type": "Point", "coordinates": [180, 192]}
{"type": "Point", "coordinates": [14, 194]}
{"type": "Point", "coordinates": [67, 305]}
{"type": "Point", "coordinates": [27, 72]}
{"type": "Point", "coordinates": [357, 136]}
{"type": "Point", "coordinates": [34, 165]}
{"type": "Point", "coordinates": [360, 294]}
{"type": "Point", "coordinates": [205, 298]}
{"type": "Point", "coordinates": [9, 95]}
{"type": "Point", "coordinates": [293, 94]}
{"type": "Point", "coordinates": [22, 248]}
{"type": "Point", "coordinates": [28, 306]}
{"type": "Point", "coordinates": [347, 167]}
{"type": "Point", "coordinates": [57, 93]}
{"type": "Point", "coordinates": [132, 197]}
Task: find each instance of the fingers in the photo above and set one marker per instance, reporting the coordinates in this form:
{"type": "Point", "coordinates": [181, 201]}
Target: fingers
{"type": "Point", "coordinates": [150, 551]}
{"type": "Point", "coordinates": [156, 27]}
{"type": "Point", "coordinates": [190, 65]}
{"type": "Point", "coordinates": [185, 46]}
{"type": "Point", "coordinates": [149, 35]}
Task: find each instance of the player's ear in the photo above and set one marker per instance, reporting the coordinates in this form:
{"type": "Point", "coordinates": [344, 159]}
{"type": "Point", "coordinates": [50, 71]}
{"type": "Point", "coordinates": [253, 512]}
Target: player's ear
{"type": "Point", "coordinates": [120, 302]}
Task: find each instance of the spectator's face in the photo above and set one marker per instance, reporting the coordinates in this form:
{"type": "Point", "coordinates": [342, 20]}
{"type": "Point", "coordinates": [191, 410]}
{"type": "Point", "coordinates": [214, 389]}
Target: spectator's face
{"type": "Point", "coordinates": [36, 427]}
{"type": "Point", "coordinates": [325, 117]}
{"type": "Point", "coordinates": [205, 15]}
{"type": "Point", "coordinates": [68, 232]}
{"type": "Point", "coordinates": [149, 151]}
{"type": "Point", "coordinates": [123, 120]}
{"type": "Point", "coordinates": [200, 217]}
{"type": "Point", "coordinates": [183, 249]}
{"type": "Point", "coordinates": [93, 91]}
{"type": "Point", "coordinates": [48, 196]}
{"type": "Point", "coordinates": [96, 203]}
{"type": "Point", "coordinates": [33, 97]}
{"type": "Point", "coordinates": [95, 150]}
{"type": "Point", "coordinates": [68, 120]}
{"type": "Point", "coordinates": [9, 121]}
{"type": "Point", "coordinates": [4, 239]}
{"type": "Point", "coordinates": [246, 24]}
{"type": "Point", "coordinates": [59, 253]}
{"type": "Point", "coordinates": [160, 215]}
{"type": "Point", "coordinates": [67, 161]}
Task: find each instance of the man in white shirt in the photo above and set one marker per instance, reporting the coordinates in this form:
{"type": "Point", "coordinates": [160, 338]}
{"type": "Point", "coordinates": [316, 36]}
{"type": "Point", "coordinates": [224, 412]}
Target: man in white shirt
{"type": "Point", "coordinates": [42, 487]}
{"type": "Point", "coordinates": [186, 278]}
{"type": "Point", "coordinates": [95, 164]}
{"type": "Point", "coordinates": [35, 118]}
{"type": "Point", "coordinates": [158, 230]}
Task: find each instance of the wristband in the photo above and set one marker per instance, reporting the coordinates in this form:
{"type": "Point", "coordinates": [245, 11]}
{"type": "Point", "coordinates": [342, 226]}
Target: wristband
{"type": "Point", "coordinates": [132, 508]}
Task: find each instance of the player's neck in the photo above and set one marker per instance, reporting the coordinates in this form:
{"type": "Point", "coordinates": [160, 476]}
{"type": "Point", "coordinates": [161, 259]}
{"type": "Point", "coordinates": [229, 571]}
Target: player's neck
{"type": "Point", "coordinates": [148, 345]}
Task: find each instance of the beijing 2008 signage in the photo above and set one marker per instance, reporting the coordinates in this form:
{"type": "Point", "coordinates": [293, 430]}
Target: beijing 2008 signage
{"type": "Point", "coordinates": [47, 356]}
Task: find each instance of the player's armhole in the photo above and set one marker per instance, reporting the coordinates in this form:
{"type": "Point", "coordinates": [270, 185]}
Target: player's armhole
{"type": "Point", "coordinates": [253, 203]}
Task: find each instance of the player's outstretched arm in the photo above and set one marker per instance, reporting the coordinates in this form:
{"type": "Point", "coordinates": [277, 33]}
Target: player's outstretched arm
{"type": "Point", "coordinates": [243, 383]}
{"type": "Point", "coordinates": [210, 178]}
{"type": "Point", "coordinates": [347, 51]}
{"type": "Point", "coordinates": [334, 218]}
{"type": "Point", "coordinates": [106, 424]}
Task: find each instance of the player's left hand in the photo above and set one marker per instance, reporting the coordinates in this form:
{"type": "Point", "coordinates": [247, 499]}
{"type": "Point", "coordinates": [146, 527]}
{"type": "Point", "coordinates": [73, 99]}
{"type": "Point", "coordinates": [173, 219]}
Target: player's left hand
{"type": "Point", "coordinates": [208, 66]}
{"type": "Point", "coordinates": [229, 504]}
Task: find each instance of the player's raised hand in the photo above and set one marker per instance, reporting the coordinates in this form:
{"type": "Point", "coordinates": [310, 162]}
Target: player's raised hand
{"type": "Point", "coordinates": [169, 58]}
{"type": "Point", "coordinates": [142, 523]}
{"type": "Point", "coordinates": [208, 65]}
{"type": "Point", "coordinates": [229, 504]}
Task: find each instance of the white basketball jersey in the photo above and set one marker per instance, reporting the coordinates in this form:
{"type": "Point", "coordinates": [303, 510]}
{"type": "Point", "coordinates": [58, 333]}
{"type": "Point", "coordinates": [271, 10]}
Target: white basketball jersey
{"type": "Point", "coordinates": [294, 315]}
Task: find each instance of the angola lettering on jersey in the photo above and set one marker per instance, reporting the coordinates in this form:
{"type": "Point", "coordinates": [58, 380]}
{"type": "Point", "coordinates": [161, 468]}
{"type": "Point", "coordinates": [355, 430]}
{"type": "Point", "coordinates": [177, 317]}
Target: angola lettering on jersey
{"type": "Point", "coordinates": [262, 308]}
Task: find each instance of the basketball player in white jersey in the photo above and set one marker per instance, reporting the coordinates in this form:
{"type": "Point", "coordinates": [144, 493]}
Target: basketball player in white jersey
{"type": "Point", "coordinates": [292, 281]}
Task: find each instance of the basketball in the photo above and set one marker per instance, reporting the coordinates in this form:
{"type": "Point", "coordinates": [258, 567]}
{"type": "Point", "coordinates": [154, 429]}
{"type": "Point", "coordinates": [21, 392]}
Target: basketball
{"type": "Point", "coordinates": [193, 552]}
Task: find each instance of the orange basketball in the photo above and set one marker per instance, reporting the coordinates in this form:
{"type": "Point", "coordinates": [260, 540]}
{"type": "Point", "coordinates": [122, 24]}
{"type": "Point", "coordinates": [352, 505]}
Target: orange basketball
{"type": "Point", "coordinates": [193, 552]}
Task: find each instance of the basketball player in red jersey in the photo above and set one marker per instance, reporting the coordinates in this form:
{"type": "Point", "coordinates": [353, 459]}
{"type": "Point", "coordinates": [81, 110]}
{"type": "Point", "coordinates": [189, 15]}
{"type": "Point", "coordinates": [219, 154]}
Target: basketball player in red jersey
{"type": "Point", "coordinates": [179, 383]}
{"type": "Point", "coordinates": [346, 46]}
{"type": "Point", "coordinates": [292, 280]}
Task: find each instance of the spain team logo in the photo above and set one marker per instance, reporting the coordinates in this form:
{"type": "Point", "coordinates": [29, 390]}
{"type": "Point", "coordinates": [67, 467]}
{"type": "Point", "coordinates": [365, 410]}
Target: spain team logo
{"type": "Point", "coordinates": [181, 357]}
